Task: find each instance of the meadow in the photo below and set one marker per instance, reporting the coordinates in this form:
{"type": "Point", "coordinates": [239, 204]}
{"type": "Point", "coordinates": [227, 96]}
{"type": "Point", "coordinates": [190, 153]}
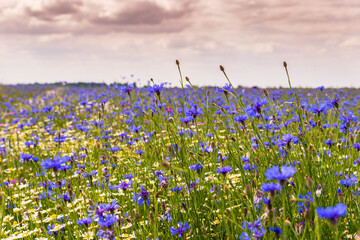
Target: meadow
{"type": "Point", "coordinates": [123, 162]}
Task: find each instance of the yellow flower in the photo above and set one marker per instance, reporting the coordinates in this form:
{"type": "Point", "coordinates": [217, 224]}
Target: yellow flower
{"type": "Point", "coordinates": [88, 235]}
{"type": "Point", "coordinates": [25, 234]}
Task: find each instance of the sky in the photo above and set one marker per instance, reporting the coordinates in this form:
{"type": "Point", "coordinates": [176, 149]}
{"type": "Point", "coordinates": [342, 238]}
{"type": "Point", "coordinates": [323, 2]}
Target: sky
{"type": "Point", "coordinates": [133, 41]}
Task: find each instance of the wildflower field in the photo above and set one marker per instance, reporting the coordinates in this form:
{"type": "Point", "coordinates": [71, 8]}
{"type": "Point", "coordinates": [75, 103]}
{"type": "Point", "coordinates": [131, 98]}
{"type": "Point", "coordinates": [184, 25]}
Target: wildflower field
{"type": "Point", "coordinates": [123, 162]}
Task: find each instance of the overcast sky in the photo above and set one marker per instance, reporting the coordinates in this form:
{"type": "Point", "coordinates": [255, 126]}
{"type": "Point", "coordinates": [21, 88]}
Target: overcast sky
{"type": "Point", "coordinates": [109, 40]}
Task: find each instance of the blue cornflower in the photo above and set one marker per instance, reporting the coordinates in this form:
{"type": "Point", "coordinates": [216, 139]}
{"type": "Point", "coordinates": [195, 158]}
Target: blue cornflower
{"type": "Point", "coordinates": [241, 119]}
{"type": "Point", "coordinates": [135, 128]}
{"type": "Point", "coordinates": [166, 216]}
{"type": "Point", "coordinates": [304, 204]}
{"type": "Point", "coordinates": [127, 88]}
{"type": "Point", "coordinates": [334, 102]}
{"type": "Point", "coordinates": [208, 149]}
{"type": "Point", "coordinates": [59, 139]}
{"type": "Point", "coordinates": [142, 196]}
{"type": "Point", "coordinates": [140, 151]}
{"type": "Point", "coordinates": [106, 234]}
{"type": "Point", "coordinates": [194, 111]}
{"type": "Point", "coordinates": [330, 143]}
{"type": "Point", "coordinates": [318, 109]}
{"type": "Point", "coordinates": [56, 164]}
{"type": "Point", "coordinates": [347, 119]}
{"type": "Point", "coordinates": [177, 189]}
{"type": "Point", "coordinates": [25, 157]}
{"type": "Point", "coordinates": [29, 143]}
{"type": "Point", "coordinates": [224, 170]}
{"type": "Point", "coordinates": [255, 109]}
{"type": "Point", "coordinates": [332, 213]}
{"type": "Point", "coordinates": [100, 210]}
{"type": "Point", "coordinates": [187, 119]}
{"type": "Point", "coordinates": [181, 230]}
{"type": "Point", "coordinates": [227, 87]}
{"type": "Point", "coordinates": [196, 167]}
{"type": "Point", "coordinates": [349, 181]}
{"type": "Point", "coordinates": [221, 157]}
{"type": "Point", "coordinates": [159, 173]}
{"type": "Point", "coordinates": [286, 140]}
{"type": "Point", "coordinates": [248, 167]}
{"type": "Point", "coordinates": [271, 187]}
{"type": "Point", "coordinates": [277, 230]}
{"type": "Point", "coordinates": [244, 236]}
{"type": "Point", "coordinates": [51, 229]}
{"type": "Point", "coordinates": [357, 146]}
{"type": "Point", "coordinates": [47, 194]}
{"type": "Point", "coordinates": [128, 176]}
{"type": "Point", "coordinates": [85, 221]}
{"type": "Point", "coordinates": [123, 185]}
{"type": "Point", "coordinates": [47, 109]}
{"type": "Point", "coordinates": [274, 173]}
{"type": "Point", "coordinates": [256, 228]}
{"type": "Point", "coordinates": [320, 88]}
{"type": "Point", "coordinates": [107, 221]}
{"type": "Point", "coordinates": [66, 197]}
{"type": "Point", "coordinates": [156, 89]}
{"type": "Point", "coordinates": [111, 207]}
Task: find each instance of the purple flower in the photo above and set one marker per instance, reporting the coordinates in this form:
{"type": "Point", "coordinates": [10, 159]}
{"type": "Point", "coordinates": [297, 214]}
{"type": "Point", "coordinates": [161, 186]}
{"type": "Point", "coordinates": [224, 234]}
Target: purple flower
{"type": "Point", "coordinates": [256, 228]}
{"type": "Point", "coordinates": [196, 167]}
{"type": "Point", "coordinates": [224, 170]}
{"type": "Point", "coordinates": [304, 204]}
{"type": "Point", "coordinates": [255, 109]}
{"type": "Point", "coordinates": [357, 146]}
{"type": "Point", "coordinates": [334, 102]}
{"type": "Point", "coordinates": [332, 213]}
{"type": "Point", "coordinates": [24, 157]}
{"type": "Point", "coordinates": [127, 88]}
{"type": "Point", "coordinates": [142, 196]}
{"type": "Point", "coordinates": [176, 189]}
{"type": "Point", "coordinates": [85, 221]}
{"type": "Point", "coordinates": [156, 89]}
{"type": "Point", "coordinates": [181, 230]}
{"type": "Point", "coordinates": [244, 236]}
{"type": "Point", "coordinates": [241, 118]}
{"type": "Point", "coordinates": [111, 207]}
{"type": "Point", "coordinates": [100, 210]}
{"type": "Point", "coordinates": [107, 221]}
{"type": "Point", "coordinates": [59, 139]}
{"type": "Point", "coordinates": [56, 164]}
{"type": "Point", "coordinates": [274, 173]}
{"type": "Point", "coordinates": [123, 185]}
{"type": "Point", "coordinates": [277, 230]}
{"type": "Point", "coordinates": [349, 181]}
{"type": "Point", "coordinates": [227, 87]}
{"type": "Point", "coordinates": [329, 143]}
{"type": "Point", "coordinates": [286, 140]}
{"type": "Point", "coordinates": [106, 234]}
{"type": "Point", "coordinates": [194, 111]}
{"type": "Point", "coordinates": [270, 187]}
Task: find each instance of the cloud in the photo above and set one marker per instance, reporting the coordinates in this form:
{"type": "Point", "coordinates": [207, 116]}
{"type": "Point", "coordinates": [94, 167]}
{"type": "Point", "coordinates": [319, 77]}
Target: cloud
{"type": "Point", "coordinates": [143, 13]}
{"type": "Point", "coordinates": [351, 42]}
{"type": "Point", "coordinates": [241, 34]}
{"type": "Point", "coordinates": [81, 17]}
{"type": "Point", "coordinates": [50, 11]}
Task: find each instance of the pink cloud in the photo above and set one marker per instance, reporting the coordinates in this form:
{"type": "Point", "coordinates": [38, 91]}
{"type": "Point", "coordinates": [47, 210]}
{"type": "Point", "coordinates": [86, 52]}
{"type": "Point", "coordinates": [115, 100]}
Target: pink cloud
{"type": "Point", "coordinates": [144, 35]}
